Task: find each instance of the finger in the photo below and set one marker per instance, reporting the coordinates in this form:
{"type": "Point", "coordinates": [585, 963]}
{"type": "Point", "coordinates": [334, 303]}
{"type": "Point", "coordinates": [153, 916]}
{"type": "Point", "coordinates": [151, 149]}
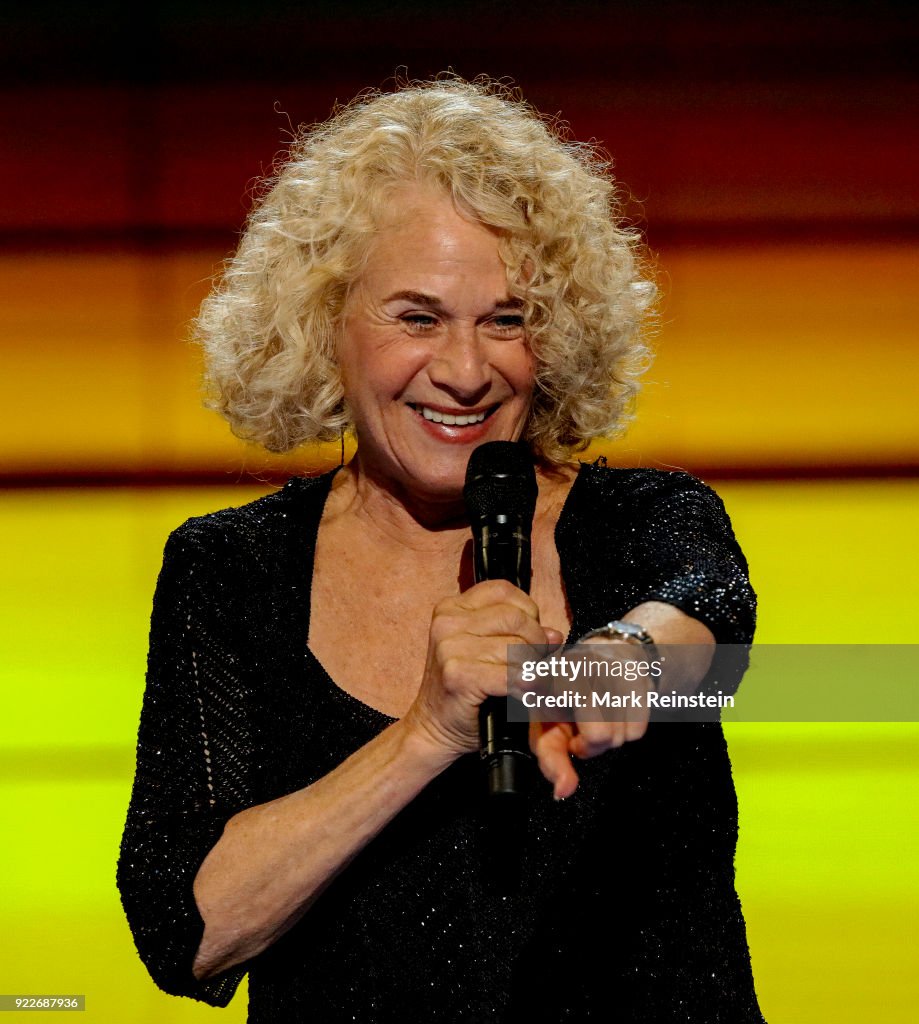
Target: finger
{"type": "Point", "coordinates": [505, 649]}
{"type": "Point", "coordinates": [554, 637]}
{"type": "Point", "coordinates": [492, 592]}
{"type": "Point", "coordinates": [494, 668]}
{"type": "Point", "coordinates": [549, 742]}
{"type": "Point", "coordinates": [503, 620]}
{"type": "Point", "coordinates": [595, 738]}
{"type": "Point", "coordinates": [634, 730]}
{"type": "Point", "coordinates": [471, 681]}
{"type": "Point", "coordinates": [520, 658]}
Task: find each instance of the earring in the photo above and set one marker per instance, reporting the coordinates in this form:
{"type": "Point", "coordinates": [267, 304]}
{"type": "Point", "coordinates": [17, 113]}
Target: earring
{"type": "Point", "coordinates": [342, 461]}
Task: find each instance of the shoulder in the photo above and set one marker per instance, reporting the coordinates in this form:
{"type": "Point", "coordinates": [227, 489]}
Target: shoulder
{"type": "Point", "coordinates": [254, 531]}
{"type": "Point", "coordinates": [639, 489]}
{"type": "Point", "coordinates": [622, 505]}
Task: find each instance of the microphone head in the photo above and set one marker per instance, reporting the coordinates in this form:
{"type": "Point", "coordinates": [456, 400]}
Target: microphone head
{"type": "Point", "coordinates": [500, 480]}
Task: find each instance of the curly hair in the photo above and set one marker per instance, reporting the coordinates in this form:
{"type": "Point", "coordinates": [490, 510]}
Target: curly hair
{"type": "Point", "coordinates": [270, 325]}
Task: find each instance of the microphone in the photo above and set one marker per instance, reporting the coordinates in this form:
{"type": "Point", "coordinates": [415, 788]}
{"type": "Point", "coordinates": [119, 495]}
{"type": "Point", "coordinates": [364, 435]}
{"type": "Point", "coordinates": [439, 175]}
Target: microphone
{"type": "Point", "coordinates": [500, 495]}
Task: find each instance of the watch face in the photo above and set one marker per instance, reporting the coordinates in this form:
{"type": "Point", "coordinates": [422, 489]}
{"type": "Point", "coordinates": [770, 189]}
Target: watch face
{"type": "Point", "coordinates": [622, 631]}
{"type": "Point", "coordinates": [631, 630]}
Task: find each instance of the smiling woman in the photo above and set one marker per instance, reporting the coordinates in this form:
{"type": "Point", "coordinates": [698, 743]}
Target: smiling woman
{"type": "Point", "coordinates": [572, 267]}
{"type": "Point", "coordinates": [433, 355]}
{"type": "Point", "coordinates": [434, 269]}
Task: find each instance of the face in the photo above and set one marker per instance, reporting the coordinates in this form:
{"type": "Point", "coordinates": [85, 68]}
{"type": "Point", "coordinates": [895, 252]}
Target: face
{"type": "Point", "coordinates": [434, 354]}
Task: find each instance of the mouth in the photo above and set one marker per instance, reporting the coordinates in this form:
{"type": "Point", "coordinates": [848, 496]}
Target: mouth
{"type": "Point", "coordinates": [454, 424]}
{"type": "Point", "coordinates": [457, 418]}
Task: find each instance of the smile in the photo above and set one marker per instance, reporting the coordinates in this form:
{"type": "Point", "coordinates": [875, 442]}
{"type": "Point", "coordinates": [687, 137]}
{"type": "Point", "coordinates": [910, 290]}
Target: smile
{"type": "Point", "coordinates": [453, 419]}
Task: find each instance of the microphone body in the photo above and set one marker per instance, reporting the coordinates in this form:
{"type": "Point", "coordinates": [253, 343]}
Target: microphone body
{"type": "Point", "coordinates": [500, 495]}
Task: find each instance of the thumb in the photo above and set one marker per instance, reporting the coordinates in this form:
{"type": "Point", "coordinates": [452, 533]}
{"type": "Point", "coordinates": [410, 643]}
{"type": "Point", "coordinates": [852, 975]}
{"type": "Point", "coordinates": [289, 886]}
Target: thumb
{"type": "Point", "coordinates": [554, 637]}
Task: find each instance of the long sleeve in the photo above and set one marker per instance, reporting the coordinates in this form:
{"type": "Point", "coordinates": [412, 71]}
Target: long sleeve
{"type": "Point", "coordinates": [652, 536]}
{"type": "Point", "coordinates": [697, 563]}
{"type": "Point", "coordinates": [229, 634]}
{"type": "Point", "coordinates": [190, 777]}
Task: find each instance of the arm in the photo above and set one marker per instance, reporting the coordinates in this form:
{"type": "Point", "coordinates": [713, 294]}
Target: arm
{"type": "Point", "coordinates": [273, 860]}
{"type": "Point", "coordinates": [190, 777]}
{"type": "Point", "coordinates": [689, 660]}
{"type": "Point", "coordinates": [207, 878]}
{"type": "Point", "coordinates": [687, 584]}
{"type": "Point", "coordinates": [687, 557]}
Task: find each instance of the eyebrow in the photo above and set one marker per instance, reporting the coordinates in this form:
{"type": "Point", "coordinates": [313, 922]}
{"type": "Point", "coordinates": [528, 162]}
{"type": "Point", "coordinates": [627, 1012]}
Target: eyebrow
{"type": "Point", "coordinates": [435, 303]}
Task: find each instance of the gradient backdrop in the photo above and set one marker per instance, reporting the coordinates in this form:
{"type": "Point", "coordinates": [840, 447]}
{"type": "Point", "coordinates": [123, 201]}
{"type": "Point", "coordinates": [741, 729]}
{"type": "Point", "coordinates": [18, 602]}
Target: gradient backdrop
{"type": "Point", "coordinates": [773, 159]}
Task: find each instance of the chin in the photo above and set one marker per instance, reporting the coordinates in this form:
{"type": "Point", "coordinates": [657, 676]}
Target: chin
{"type": "Point", "coordinates": [432, 464]}
{"type": "Point", "coordinates": [444, 484]}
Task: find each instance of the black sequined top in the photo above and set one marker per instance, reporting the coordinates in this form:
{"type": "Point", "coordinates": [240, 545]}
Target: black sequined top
{"type": "Point", "coordinates": [621, 906]}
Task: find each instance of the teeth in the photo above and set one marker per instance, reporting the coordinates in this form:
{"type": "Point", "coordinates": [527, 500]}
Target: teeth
{"type": "Point", "coordinates": [451, 421]}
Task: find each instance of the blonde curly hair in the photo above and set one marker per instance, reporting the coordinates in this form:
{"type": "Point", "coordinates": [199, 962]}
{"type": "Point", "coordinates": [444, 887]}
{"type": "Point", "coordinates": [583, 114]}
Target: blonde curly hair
{"type": "Point", "coordinates": [270, 325]}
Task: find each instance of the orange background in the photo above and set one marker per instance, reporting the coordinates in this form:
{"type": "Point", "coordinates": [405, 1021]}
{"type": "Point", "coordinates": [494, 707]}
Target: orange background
{"type": "Point", "coordinates": [773, 158]}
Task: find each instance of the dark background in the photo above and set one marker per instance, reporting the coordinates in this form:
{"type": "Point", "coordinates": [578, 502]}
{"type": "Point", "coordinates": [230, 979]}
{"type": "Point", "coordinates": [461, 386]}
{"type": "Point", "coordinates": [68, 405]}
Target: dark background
{"type": "Point", "coordinates": [780, 120]}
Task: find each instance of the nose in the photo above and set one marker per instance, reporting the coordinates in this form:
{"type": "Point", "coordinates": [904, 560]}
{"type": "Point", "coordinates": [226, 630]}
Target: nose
{"type": "Point", "coordinates": [460, 364]}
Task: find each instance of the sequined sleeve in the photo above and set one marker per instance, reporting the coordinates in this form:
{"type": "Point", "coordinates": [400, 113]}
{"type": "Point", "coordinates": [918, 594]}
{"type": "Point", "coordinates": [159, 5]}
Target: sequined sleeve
{"type": "Point", "coordinates": [684, 538]}
{"type": "Point", "coordinates": [655, 536]}
{"type": "Point", "coordinates": [187, 782]}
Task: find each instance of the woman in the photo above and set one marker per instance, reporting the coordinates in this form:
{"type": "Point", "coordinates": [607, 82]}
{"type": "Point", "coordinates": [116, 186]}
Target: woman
{"type": "Point", "coordinates": [433, 269]}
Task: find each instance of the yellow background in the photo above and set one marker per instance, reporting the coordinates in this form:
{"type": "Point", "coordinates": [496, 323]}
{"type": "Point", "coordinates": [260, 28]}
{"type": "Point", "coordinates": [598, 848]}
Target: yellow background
{"type": "Point", "coordinates": [769, 356]}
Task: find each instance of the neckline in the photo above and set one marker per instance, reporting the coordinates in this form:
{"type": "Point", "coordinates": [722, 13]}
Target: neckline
{"type": "Point", "coordinates": [306, 558]}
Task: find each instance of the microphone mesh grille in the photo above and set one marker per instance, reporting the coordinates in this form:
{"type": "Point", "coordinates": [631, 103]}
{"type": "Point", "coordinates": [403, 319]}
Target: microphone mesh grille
{"type": "Point", "coordinates": [500, 480]}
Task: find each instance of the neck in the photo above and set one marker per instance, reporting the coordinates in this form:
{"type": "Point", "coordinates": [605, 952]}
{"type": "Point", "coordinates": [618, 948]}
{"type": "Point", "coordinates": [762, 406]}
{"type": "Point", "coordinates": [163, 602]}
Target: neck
{"type": "Point", "coordinates": [397, 515]}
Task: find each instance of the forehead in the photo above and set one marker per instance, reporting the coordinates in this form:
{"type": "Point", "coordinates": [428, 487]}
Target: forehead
{"type": "Point", "coordinates": [422, 228]}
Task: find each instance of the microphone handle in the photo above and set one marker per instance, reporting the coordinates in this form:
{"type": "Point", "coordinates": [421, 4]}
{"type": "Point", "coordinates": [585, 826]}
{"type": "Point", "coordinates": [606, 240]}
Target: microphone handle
{"type": "Point", "coordinates": [502, 552]}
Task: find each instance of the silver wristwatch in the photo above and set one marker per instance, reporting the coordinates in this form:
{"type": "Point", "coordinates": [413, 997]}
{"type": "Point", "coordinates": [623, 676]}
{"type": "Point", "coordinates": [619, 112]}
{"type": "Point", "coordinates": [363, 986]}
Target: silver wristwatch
{"type": "Point", "coordinates": [618, 630]}
{"type": "Point", "coordinates": [633, 633]}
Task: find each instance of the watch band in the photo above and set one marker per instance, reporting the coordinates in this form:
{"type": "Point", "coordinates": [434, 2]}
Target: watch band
{"type": "Point", "coordinates": [629, 631]}
{"type": "Point", "coordinates": [619, 630]}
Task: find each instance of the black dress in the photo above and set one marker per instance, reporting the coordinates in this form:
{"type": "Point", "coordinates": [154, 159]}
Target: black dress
{"type": "Point", "coordinates": [621, 903]}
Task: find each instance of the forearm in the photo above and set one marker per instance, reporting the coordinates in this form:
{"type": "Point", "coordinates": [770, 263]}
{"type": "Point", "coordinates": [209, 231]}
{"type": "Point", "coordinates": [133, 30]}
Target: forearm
{"type": "Point", "coordinates": [690, 645]}
{"type": "Point", "coordinates": [274, 859]}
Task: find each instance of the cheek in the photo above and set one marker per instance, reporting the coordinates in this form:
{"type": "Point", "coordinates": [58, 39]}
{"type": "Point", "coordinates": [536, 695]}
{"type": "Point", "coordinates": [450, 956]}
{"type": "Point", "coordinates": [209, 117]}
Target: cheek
{"type": "Point", "coordinates": [520, 368]}
{"type": "Point", "coordinates": [358, 360]}
{"type": "Point", "coordinates": [379, 369]}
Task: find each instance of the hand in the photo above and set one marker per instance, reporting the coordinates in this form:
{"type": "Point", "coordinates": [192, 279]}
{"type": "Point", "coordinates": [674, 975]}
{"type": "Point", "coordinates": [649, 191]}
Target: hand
{"type": "Point", "coordinates": [554, 743]}
{"type": "Point", "coordinates": [467, 660]}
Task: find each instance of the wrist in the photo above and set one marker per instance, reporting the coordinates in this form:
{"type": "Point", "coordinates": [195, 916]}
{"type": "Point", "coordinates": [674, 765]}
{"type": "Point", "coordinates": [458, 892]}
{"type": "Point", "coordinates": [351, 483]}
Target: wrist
{"type": "Point", "coordinates": [424, 745]}
{"type": "Point", "coordinates": [630, 633]}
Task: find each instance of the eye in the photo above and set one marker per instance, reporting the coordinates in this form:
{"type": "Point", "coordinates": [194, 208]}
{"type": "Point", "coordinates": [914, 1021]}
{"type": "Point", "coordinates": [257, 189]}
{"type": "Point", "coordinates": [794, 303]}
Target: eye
{"type": "Point", "coordinates": [419, 321]}
{"type": "Point", "coordinates": [508, 323]}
